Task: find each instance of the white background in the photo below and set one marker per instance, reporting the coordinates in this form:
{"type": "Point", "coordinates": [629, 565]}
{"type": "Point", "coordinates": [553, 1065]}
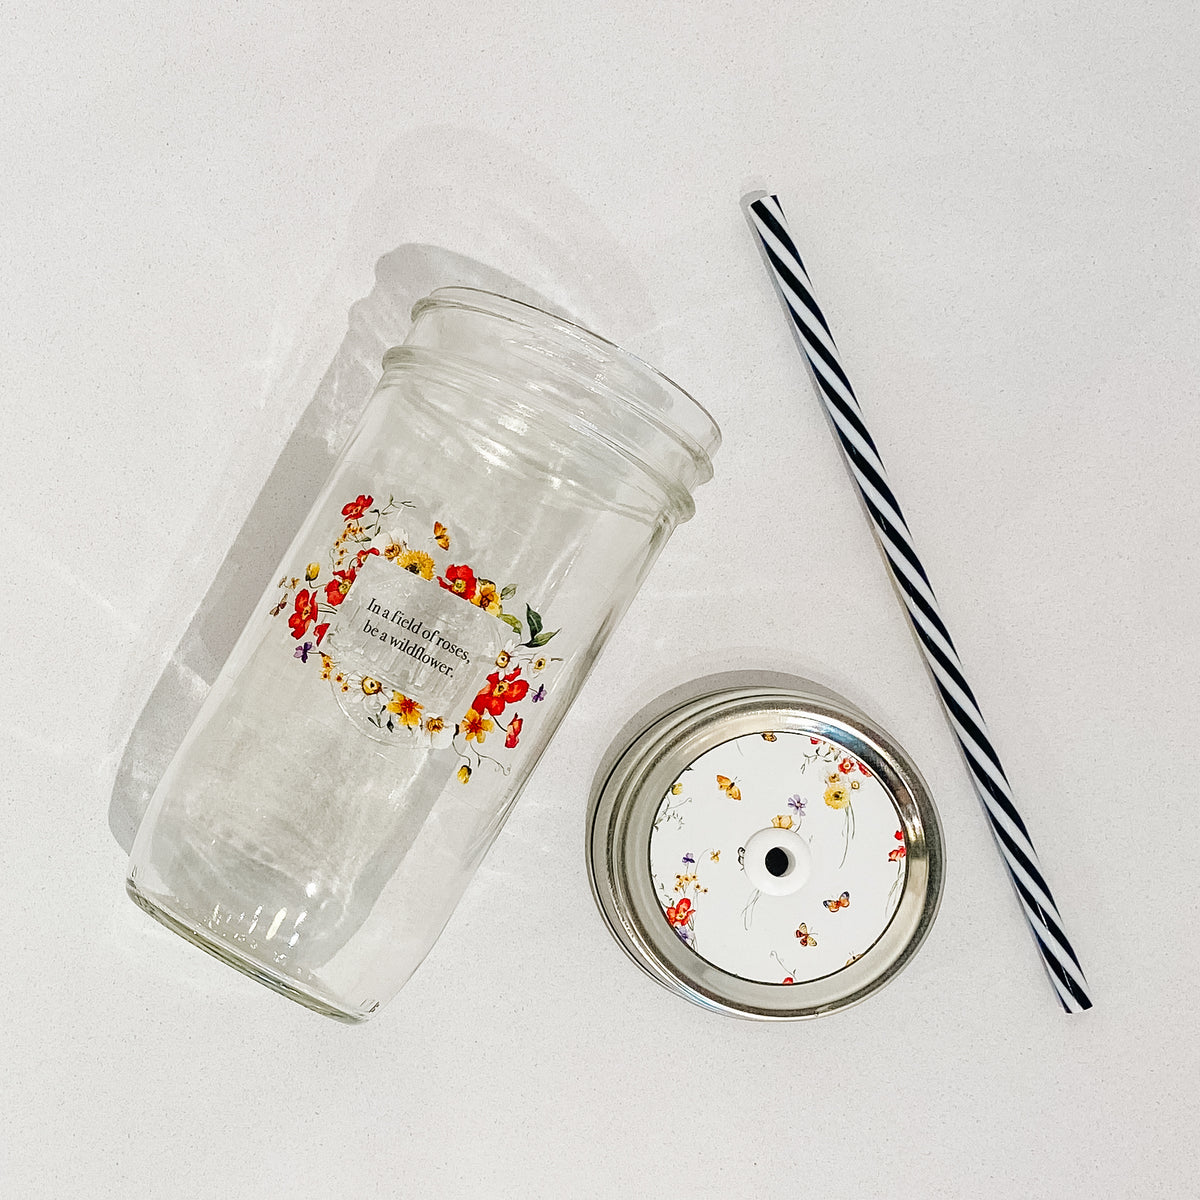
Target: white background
{"type": "Point", "coordinates": [998, 206]}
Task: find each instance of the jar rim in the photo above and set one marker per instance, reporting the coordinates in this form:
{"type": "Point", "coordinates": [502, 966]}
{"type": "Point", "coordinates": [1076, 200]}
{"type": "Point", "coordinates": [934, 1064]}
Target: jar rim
{"type": "Point", "coordinates": [458, 372]}
{"type": "Point", "coordinates": [703, 443]}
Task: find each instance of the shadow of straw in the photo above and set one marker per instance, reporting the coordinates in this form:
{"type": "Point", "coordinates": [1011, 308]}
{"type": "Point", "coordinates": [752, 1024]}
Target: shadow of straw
{"type": "Point", "coordinates": [375, 323]}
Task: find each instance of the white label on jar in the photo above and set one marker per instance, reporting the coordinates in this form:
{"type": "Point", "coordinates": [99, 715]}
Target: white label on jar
{"type": "Point", "coordinates": [415, 638]}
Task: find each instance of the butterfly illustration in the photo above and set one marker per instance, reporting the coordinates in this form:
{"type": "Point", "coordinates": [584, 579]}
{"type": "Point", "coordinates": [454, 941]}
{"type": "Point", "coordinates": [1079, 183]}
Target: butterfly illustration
{"type": "Point", "coordinates": [843, 901]}
{"type": "Point", "coordinates": [441, 535]}
{"type": "Point", "coordinates": [729, 787]}
{"type": "Point", "coordinates": [769, 737]}
{"type": "Point", "coordinates": [806, 938]}
{"type": "Point", "coordinates": [279, 607]}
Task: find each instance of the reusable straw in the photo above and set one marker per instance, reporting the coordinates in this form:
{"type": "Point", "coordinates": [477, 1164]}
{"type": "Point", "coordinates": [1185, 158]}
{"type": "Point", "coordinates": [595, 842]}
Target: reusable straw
{"type": "Point", "coordinates": [891, 531]}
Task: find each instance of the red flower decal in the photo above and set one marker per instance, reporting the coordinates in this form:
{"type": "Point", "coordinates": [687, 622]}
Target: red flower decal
{"type": "Point", "coordinates": [305, 614]}
{"type": "Point", "coordinates": [338, 586]}
{"type": "Point", "coordinates": [788, 979]}
{"type": "Point", "coordinates": [897, 854]}
{"type": "Point", "coordinates": [846, 766]}
{"type": "Point", "coordinates": [362, 556]}
{"type": "Point", "coordinates": [461, 581]}
{"type": "Point", "coordinates": [321, 630]}
{"type": "Point", "coordinates": [680, 914]}
{"type": "Point", "coordinates": [356, 508]}
{"type": "Point", "coordinates": [499, 692]}
{"type": "Point", "coordinates": [514, 731]}
{"type": "Point", "coordinates": [864, 770]}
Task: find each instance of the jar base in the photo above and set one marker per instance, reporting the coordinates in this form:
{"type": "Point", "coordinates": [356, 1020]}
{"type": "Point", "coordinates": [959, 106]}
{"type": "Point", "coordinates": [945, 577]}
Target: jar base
{"type": "Point", "coordinates": [257, 971]}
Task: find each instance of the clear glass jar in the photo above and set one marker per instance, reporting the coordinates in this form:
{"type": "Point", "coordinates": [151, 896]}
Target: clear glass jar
{"type": "Point", "coordinates": [489, 520]}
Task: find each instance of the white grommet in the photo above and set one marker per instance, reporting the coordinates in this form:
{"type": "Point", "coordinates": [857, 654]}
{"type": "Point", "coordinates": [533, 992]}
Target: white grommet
{"type": "Point", "coordinates": [777, 861]}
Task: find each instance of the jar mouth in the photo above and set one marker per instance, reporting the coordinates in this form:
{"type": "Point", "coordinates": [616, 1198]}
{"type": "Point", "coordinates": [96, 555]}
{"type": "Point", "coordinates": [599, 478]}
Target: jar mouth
{"type": "Point", "coordinates": [600, 365]}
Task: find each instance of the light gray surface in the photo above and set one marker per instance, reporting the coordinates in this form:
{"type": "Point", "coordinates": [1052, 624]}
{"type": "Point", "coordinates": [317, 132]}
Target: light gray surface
{"type": "Point", "coordinates": [998, 205]}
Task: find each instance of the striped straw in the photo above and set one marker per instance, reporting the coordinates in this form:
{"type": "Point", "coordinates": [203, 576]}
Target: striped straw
{"type": "Point", "coordinates": [1012, 838]}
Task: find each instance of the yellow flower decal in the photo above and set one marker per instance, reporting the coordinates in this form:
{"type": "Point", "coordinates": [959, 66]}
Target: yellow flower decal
{"type": "Point", "coordinates": [781, 821]}
{"type": "Point", "coordinates": [464, 773]}
{"type": "Point", "coordinates": [434, 724]}
{"type": "Point", "coordinates": [371, 687]}
{"type": "Point", "coordinates": [312, 571]}
{"type": "Point", "coordinates": [407, 709]}
{"type": "Point", "coordinates": [837, 795]}
{"type": "Point", "coordinates": [393, 550]}
{"type": "Point", "coordinates": [676, 789]}
{"type": "Point", "coordinates": [476, 726]}
{"type": "Point", "coordinates": [539, 664]}
{"type": "Point", "coordinates": [418, 562]}
{"type": "Point", "coordinates": [503, 659]}
{"type": "Point", "coordinates": [487, 597]}
{"type": "Point", "coordinates": [715, 856]}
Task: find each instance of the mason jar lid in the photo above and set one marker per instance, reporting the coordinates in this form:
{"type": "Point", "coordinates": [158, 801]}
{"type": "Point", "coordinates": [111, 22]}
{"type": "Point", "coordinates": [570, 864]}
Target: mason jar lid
{"type": "Point", "coordinates": [765, 851]}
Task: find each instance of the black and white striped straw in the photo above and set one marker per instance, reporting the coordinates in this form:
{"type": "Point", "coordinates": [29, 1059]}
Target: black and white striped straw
{"type": "Point", "coordinates": [1012, 838]}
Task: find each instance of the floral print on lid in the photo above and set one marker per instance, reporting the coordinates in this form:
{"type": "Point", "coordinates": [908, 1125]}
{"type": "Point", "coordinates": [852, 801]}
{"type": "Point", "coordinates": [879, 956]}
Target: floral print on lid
{"type": "Point", "coordinates": [807, 787]}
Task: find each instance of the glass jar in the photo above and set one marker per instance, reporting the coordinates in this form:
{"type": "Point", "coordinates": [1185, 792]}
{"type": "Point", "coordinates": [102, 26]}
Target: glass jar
{"type": "Point", "coordinates": [487, 523]}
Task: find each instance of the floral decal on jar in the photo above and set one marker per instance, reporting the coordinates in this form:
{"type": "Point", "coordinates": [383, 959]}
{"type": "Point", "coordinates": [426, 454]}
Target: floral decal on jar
{"type": "Point", "coordinates": [369, 533]}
